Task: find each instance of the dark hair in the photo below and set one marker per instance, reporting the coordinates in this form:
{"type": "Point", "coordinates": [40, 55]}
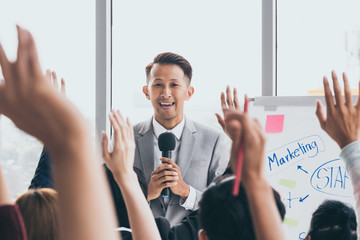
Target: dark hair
{"type": "Point", "coordinates": [226, 217]}
{"type": "Point", "coordinates": [168, 58]}
{"type": "Point", "coordinates": [39, 208]}
{"type": "Point", "coordinates": [333, 220]}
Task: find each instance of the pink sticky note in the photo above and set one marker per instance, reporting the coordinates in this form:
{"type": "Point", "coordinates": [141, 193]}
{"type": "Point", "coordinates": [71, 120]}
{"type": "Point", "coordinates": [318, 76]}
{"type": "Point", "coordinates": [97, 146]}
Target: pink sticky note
{"type": "Point", "coordinates": [274, 123]}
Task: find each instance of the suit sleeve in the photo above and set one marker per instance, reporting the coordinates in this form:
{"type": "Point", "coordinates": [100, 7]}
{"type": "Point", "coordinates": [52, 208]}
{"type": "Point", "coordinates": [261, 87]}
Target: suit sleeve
{"type": "Point", "coordinates": [220, 158]}
{"type": "Point", "coordinates": [43, 175]}
{"type": "Point", "coordinates": [218, 164]}
{"type": "Point", "coordinates": [350, 154]}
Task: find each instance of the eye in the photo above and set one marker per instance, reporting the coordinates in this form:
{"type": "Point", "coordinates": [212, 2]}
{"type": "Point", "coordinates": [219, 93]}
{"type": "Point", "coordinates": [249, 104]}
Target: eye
{"type": "Point", "coordinates": [157, 85]}
{"type": "Point", "coordinates": [174, 84]}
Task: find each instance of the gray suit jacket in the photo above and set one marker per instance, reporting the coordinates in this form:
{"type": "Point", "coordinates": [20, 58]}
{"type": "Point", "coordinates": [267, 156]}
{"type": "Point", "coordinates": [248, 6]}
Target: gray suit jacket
{"type": "Point", "coordinates": [203, 156]}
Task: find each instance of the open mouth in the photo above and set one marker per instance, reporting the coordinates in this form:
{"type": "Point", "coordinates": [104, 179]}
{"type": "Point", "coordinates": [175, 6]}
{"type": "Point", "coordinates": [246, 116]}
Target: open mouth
{"type": "Point", "coordinates": [166, 105]}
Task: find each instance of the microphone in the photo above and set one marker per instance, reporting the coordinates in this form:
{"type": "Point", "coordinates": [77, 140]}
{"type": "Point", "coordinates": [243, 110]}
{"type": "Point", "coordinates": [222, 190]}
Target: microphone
{"type": "Point", "coordinates": [166, 144]}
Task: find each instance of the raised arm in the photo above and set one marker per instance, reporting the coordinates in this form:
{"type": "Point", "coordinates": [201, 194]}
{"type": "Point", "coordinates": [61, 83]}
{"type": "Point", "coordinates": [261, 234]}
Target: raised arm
{"type": "Point", "coordinates": [265, 215]}
{"type": "Point", "coordinates": [342, 120]}
{"type": "Point", "coordinates": [121, 161]}
{"type": "Point", "coordinates": [342, 124]}
{"type": "Point", "coordinates": [30, 101]}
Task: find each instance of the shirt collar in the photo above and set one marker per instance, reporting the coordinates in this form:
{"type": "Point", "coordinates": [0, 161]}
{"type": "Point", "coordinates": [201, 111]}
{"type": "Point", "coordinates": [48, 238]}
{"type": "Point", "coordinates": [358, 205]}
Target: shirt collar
{"type": "Point", "coordinates": [177, 130]}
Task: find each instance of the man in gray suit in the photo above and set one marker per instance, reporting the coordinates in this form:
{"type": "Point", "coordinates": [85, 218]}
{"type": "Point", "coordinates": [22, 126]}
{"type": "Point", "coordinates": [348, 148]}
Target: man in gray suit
{"type": "Point", "coordinates": [200, 154]}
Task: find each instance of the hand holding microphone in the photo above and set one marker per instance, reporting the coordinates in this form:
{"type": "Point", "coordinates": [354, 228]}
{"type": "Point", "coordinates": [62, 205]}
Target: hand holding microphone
{"type": "Point", "coordinates": [168, 175]}
{"type": "Point", "coordinates": [166, 143]}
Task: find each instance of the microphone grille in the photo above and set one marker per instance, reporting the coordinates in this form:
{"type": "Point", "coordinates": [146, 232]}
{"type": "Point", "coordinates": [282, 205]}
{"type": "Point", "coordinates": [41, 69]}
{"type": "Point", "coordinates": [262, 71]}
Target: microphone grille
{"type": "Point", "coordinates": [166, 141]}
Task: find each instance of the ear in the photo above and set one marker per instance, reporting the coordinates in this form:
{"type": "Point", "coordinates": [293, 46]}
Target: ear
{"type": "Point", "coordinates": [190, 92]}
{"type": "Point", "coordinates": [146, 92]}
{"type": "Point", "coordinates": [202, 235]}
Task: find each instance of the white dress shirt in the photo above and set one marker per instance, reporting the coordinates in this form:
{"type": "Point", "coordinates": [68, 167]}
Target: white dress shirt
{"type": "Point", "coordinates": [189, 203]}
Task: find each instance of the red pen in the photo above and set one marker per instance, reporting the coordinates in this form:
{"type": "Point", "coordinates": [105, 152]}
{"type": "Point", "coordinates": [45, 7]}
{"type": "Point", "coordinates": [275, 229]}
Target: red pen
{"type": "Point", "coordinates": [240, 158]}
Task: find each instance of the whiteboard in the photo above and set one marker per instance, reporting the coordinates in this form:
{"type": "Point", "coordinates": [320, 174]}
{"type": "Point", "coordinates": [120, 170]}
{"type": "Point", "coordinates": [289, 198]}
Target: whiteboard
{"type": "Point", "coordinates": [301, 161]}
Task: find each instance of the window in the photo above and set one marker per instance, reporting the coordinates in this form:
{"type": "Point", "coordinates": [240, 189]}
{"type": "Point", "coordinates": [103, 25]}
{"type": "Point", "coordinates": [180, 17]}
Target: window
{"type": "Point", "coordinates": [314, 37]}
{"type": "Point", "coordinates": [220, 39]}
{"type": "Point", "coordinates": [64, 32]}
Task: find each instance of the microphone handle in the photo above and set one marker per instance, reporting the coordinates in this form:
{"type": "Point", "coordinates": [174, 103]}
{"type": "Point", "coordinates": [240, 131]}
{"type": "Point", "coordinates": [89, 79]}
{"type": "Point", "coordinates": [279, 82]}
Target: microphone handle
{"type": "Point", "coordinates": [166, 191]}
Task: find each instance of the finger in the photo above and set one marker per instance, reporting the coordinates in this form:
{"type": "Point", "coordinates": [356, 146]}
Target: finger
{"type": "Point", "coordinates": [48, 75]}
{"type": "Point", "coordinates": [347, 91]}
{"type": "Point", "coordinates": [221, 121]}
{"type": "Point", "coordinates": [236, 100]}
{"type": "Point", "coordinates": [116, 128]}
{"type": "Point", "coordinates": [171, 163]}
{"type": "Point", "coordinates": [320, 114]}
{"type": "Point", "coordinates": [257, 123]}
{"type": "Point", "coordinates": [131, 130]}
{"type": "Point", "coordinates": [246, 103]}
{"type": "Point", "coordinates": [105, 146]}
{"type": "Point", "coordinates": [34, 63]}
{"type": "Point", "coordinates": [328, 96]}
{"type": "Point", "coordinates": [121, 124]}
{"type": "Point", "coordinates": [63, 87]}
{"type": "Point", "coordinates": [162, 177]}
{"type": "Point", "coordinates": [228, 97]}
{"type": "Point", "coordinates": [5, 64]}
{"type": "Point", "coordinates": [169, 178]}
{"type": "Point", "coordinates": [169, 184]}
{"type": "Point", "coordinates": [337, 89]}
{"type": "Point", "coordinates": [358, 100]}
{"type": "Point", "coordinates": [223, 102]}
{"type": "Point", "coordinates": [119, 118]}
{"type": "Point", "coordinates": [55, 80]}
{"type": "Point", "coordinates": [168, 172]}
{"type": "Point", "coordinates": [22, 51]}
{"type": "Point", "coordinates": [124, 125]}
{"type": "Point", "coordinates": [162, 167]}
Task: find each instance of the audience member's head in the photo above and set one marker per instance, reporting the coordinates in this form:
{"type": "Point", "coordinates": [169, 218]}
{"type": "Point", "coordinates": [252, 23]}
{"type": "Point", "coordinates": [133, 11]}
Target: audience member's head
{"type": "Point", "coordinates": [39, 208]}
{"type": "Point", "coordinates": [224, 216]}
{"type": "Point", "coordinates": [169, 58]}
{"type": "Point", "coordinates": [333, 220]}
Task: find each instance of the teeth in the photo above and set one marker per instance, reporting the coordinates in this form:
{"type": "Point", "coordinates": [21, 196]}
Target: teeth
{"type": "Point", "coordinates": [166, 104]}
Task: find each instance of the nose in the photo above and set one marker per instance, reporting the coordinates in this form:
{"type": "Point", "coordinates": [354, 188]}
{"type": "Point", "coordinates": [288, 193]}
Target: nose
{"type": "Point", "coordinates": [166, 93]}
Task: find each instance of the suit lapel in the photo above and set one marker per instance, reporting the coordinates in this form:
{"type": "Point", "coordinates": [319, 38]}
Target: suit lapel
{"type": "Point", "coordinates": [188, 142]}
{"type": "Point", "coordinates": [146, 149]}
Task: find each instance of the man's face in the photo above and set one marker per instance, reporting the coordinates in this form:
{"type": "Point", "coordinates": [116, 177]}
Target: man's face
{"type": "Point", "coordinates": [167, 89]}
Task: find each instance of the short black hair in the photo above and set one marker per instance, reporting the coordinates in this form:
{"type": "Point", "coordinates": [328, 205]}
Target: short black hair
{"type": "Point", "coordinates": [168, 58]}
{"type": "Point", "coordinates": [226, 217]}
{"type": "Point", "coordinates": [333, 220]}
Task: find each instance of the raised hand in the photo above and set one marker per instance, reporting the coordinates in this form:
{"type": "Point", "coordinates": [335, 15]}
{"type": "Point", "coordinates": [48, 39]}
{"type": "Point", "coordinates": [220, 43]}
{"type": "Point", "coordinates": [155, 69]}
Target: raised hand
{"type": "Point", "coordinates": [342, 121]}
{"type": "Point", "coordinates": [28, 99]}
{"type": "Point", "coordinates": [254, 145]}
{"type": "Point", "coordinates": [121, 160]}
{"type": "Point", "coordinates": [36, 107]}
{"type": "Point", "coordinates": [231, 128]}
